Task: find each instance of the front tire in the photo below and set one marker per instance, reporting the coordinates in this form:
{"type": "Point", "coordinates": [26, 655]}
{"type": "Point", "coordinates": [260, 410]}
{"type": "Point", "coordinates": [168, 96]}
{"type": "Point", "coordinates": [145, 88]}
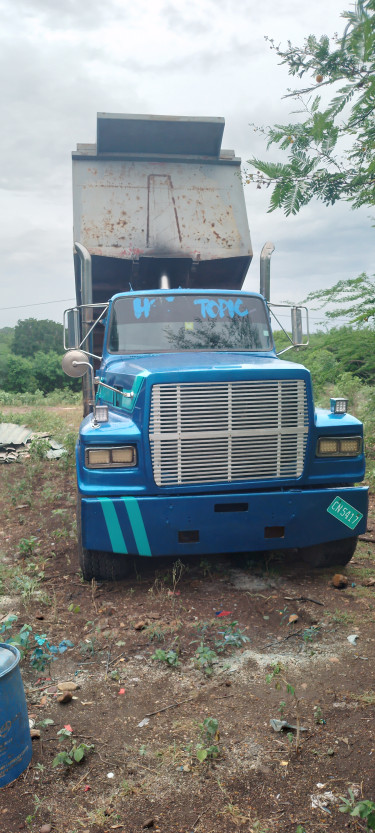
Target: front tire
{"type": "Point", "coordinates": [103, 566]}
{"type": "Point", "coordinates": [329, 554]}
{"type": "Point", "coordinates": [95, 564]}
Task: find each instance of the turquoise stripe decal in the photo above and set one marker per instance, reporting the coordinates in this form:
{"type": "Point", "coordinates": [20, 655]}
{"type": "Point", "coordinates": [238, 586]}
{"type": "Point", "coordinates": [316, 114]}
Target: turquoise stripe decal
{"type": "Point", "coordinates": [137, 525]}
{"type": "Point", "coordinates": [113, 526]}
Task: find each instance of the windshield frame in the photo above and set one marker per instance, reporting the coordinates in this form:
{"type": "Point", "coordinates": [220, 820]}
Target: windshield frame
{"type": "Point", "coordinates": [196, 293]}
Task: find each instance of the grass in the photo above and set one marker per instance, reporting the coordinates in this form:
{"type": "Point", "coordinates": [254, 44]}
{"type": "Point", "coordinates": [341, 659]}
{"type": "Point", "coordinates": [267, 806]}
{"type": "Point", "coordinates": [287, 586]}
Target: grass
{"type": "Point", "coordinates": [341, 617]}
{"type": "Point", "coordinates": [367, 697]}
{"type": "Point", "coordinates": [56, 397]}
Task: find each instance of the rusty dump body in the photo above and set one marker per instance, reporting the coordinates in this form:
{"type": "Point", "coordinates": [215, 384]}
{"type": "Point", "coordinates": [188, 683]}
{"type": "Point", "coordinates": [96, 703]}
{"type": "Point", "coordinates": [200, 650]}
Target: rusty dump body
{"type": "Point", "coordinates": [157, 196]}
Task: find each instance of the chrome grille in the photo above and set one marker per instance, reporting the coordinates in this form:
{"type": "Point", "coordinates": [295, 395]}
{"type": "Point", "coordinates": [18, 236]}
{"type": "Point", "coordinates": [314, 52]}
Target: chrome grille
{"type": "Point", "coordinates": [228, 431]}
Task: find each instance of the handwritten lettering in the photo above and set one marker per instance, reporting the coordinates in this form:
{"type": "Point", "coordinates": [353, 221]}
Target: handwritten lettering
{"type": "Point", "coordinates": [212, 309]}
{"type": "Point", "coordinates": [209, 307]}
{"type": "Point", "coordinates": [142, 306]}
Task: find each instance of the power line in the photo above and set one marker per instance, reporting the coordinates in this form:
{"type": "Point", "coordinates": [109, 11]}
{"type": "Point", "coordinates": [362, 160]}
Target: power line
{"type": "Point", "coordinates": [65, 300]}
{"type": "Point", "coordinates": [40, 304]}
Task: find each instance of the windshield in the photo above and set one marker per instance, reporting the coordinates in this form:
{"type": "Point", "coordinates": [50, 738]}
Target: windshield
{"type": "Point", "coordinates": [170, 323]}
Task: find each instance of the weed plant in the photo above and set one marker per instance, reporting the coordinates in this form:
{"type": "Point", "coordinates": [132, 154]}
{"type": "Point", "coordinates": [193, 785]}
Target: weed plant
{"type": "Point", "coordinates": [359, 809]}
{"type": "Point", "coordinates": [207, 749]}
{"type": "Point", "coordinates": [169, 658]}
{"type": "Point", "coordinates": [73, 755]}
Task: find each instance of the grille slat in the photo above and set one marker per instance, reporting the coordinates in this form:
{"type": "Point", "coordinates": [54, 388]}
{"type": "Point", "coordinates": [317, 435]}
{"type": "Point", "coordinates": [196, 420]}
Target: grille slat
{"type": "Point", "coordinates": [228, 431]}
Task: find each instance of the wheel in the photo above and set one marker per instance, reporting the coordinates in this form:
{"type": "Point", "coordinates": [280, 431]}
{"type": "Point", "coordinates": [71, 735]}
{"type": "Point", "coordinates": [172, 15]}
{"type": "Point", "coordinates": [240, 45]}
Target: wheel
{"type": "Point", "coordinates": [104, 566]}
{"type": "Point", "coordinates": [329, 554]}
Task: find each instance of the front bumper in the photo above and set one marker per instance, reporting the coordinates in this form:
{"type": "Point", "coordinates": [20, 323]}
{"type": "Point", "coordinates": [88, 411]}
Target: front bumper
{"type": "Point", "coordinates": [221, 523]}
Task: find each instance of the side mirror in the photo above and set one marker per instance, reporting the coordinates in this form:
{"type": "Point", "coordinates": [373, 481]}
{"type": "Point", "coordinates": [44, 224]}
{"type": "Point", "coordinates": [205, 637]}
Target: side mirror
{"type": "Point", "coordinates": [72, 329]}
{"type": "Point", "coordinates": [75, 363]}
{"type": "Point", "coordinates": [297, 332]}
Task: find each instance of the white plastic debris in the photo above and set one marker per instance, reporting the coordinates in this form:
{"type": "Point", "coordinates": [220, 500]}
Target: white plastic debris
{"type": "Point", "coordinates": [279, 725]}
{"type": "Point", "coordinates": [110, 774]}
{"type": "Point", "coordinates": [322, 801]}
{"type": "Point", "coordinates": [144, 722]}
{"type": "Point", "coordinates": [353, 638]}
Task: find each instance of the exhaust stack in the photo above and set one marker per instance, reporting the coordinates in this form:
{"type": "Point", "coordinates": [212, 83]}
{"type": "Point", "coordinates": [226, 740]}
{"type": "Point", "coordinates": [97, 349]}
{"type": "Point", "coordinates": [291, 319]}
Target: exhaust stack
{"type": "Point", "coordinates": [265, 268]}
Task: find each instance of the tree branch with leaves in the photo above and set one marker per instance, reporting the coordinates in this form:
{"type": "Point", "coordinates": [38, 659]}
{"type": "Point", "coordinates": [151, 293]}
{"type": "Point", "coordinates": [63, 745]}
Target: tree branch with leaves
{"type": "Point", "coordinates": [331, 147]}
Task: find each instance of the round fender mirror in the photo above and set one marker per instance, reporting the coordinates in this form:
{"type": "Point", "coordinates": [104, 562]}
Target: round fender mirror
{"type": "Point", "coordinates": [75, 363]}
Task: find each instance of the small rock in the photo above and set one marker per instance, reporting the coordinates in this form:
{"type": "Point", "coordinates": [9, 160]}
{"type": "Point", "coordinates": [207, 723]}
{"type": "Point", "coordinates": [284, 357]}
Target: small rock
{"type": "Point", "coordinates": [339, 581]}
{"type": "Point", "coordinates": [148, 823]}
{"type": "Point", "coordinates": [140, 626]}
{"type": "Point", "coordinates": [293, 618]}
{"type": "Point", "coordinates": [68, 686]}
{"type": "Point", "coordinates": [65, 697]}
{"type": "Point", "coordinates": [45, 828]}
{"type": "Point", "coordinates": [34, 733]}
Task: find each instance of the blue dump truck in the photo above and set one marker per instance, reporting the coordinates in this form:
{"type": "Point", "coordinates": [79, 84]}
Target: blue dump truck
{"type": "Point", "coordinates": [197, 438]}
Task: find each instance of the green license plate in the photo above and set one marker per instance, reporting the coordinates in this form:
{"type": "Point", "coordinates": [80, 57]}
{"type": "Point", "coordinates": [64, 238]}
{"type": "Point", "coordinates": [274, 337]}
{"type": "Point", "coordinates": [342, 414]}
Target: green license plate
{"type": "Point", "coordinates": [344, 512]}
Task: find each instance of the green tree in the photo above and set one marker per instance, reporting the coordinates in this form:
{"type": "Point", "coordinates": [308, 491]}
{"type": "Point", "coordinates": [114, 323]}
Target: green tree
{"type": "Point", "coordinates": [32, 335]}
{"type": "Point", "coordinates": [6, 338]}
{"type": "Point", "coordinates": [331, 147]}
{"type": "Point", "coordinates": [355, 298]}
{"type": "Point", "coordinates": [48, 372]}
{"type": "Point", "coordinates": [18, 375]}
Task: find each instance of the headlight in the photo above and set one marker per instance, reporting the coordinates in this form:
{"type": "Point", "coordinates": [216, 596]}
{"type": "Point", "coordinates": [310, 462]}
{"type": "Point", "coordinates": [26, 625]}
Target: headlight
{"type": "Point", "coordinates": [122, 456]}
{"type": "Point", "coordinates": [339, 447]}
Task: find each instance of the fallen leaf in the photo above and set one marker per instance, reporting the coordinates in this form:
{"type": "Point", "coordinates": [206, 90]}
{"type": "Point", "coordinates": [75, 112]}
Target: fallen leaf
{"type": "Point", "coordinates": [140, 626]}
{"type": "Point", "coordinates": [65, 697]}
{"type": "Point", "coordinates": [339, 581]}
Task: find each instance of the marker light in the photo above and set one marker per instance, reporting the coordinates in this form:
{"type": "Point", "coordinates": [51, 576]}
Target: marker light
{"type": "Point", "coordinates": [101, 413]}
{"type": "Point", "coordinates": [339, 446]}
{"type": "Point", "coordinates": [339, 406]}
{"type": "Point", "coordinates": [123, 456]}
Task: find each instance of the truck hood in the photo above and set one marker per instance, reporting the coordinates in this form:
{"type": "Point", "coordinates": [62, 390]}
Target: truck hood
{"type": "Point", "coordinates": [122, 371]}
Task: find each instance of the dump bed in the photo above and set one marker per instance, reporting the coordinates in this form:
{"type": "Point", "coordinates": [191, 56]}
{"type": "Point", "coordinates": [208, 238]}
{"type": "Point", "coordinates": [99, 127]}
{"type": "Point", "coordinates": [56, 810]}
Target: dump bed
{"type": "Point", "coordinates": [157, 196]}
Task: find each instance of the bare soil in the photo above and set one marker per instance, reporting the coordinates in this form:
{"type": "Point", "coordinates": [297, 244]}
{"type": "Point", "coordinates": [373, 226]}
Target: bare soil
{"type": "Point", "coordinates": [148, 776]}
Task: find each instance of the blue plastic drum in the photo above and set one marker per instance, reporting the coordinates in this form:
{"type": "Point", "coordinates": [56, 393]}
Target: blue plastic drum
{"type": "Point", "coordinates": [15, 740]}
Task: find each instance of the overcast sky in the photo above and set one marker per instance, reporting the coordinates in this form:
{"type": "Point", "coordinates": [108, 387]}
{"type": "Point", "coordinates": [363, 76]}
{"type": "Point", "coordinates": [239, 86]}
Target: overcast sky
{"type": "Point", "coordinates": [62, 62]}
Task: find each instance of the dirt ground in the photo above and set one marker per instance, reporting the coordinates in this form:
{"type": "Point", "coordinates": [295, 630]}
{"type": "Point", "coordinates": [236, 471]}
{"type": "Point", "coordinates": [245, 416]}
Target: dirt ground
{"type": "Point", "coordinates": [177, 673]}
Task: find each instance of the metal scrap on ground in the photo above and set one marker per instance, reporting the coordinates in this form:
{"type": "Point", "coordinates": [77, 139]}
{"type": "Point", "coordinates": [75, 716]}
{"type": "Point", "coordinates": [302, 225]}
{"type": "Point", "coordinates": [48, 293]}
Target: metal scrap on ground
{"type": "Point", "coordinates": [15, 442]}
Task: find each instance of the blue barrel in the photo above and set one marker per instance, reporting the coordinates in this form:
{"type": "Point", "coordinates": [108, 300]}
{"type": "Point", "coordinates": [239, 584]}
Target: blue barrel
{"type": "Point", "coordinates": [15, 740]}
